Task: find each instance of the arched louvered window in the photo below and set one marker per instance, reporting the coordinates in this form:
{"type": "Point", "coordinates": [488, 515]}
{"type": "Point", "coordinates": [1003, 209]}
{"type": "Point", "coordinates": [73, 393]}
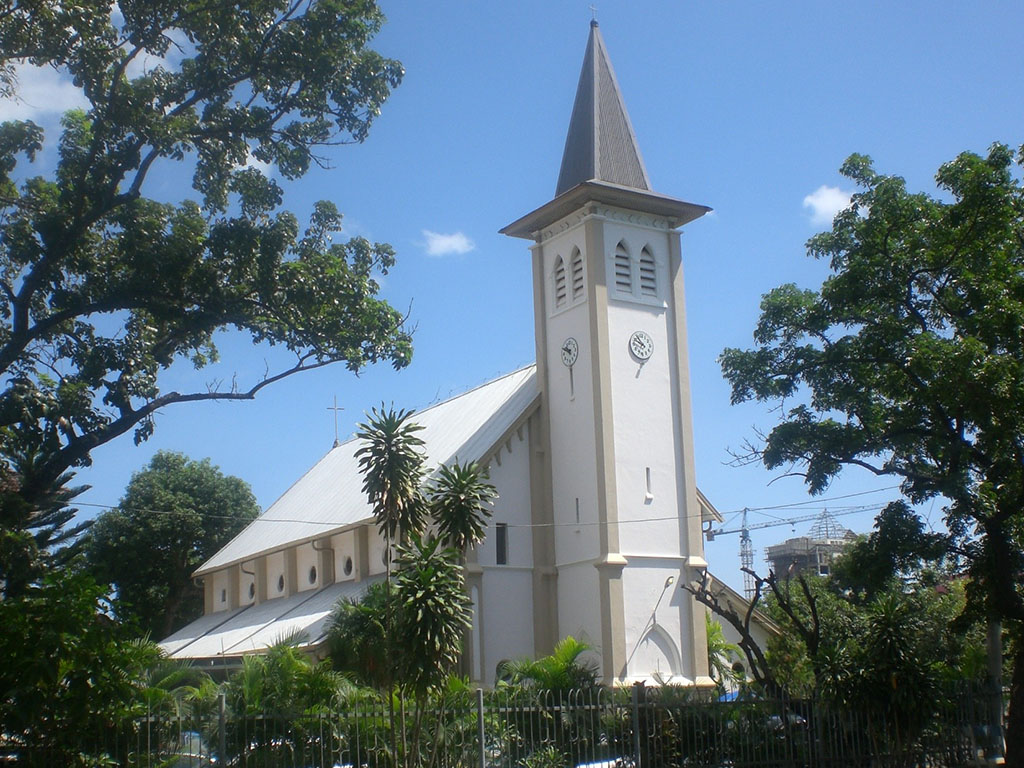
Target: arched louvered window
{"type": "Point", "coordinates": [577, 274]}
{"type": "Point", "coordinates": [560, 286]}
{"type": "Point", "coordinates": [648, 276]}
{"type": "Point", "coordinates": [623, 269]}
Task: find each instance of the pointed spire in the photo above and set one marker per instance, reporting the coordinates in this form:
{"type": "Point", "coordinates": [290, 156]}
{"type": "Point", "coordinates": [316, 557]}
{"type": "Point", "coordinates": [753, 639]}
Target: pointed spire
{"type": "Point", "coordinates": [600, 145]}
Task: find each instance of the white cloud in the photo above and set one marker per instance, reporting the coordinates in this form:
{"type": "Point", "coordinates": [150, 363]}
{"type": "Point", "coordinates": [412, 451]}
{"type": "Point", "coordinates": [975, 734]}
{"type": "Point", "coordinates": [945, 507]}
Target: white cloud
{"type": "Point", "coordinates": [179, 48]}
{"type": "Point", "coordinates": [444, 245]}
{"type": "Point", "coordinates": [825, 202]}
{"type": "Point", "coordinates": [267, 169]}
{"type": "Point", "coordinates": [41, 92]}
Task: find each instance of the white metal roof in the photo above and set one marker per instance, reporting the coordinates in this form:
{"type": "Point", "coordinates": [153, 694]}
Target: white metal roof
{"type": "Point", "coordinates": [329, 496]}
{"type": "Point", "coordinates": [204, 625]}
{"type": "Point", "coordinates": [257, 627]}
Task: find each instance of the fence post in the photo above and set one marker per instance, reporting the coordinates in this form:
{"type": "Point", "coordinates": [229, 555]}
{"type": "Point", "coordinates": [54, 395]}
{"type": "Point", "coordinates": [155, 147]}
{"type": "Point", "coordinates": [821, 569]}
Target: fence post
{"type": "Point", "coordinates": [222, 740]}
{"type": "Point", "coordinates": [480, 726]}
{"type": "Point", "coordinates": [636, 723]}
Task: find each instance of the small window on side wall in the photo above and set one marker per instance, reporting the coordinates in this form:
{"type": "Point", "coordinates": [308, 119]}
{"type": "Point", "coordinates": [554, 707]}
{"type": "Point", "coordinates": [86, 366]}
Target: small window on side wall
{"type": "Point", "coordinates": [501, 543]}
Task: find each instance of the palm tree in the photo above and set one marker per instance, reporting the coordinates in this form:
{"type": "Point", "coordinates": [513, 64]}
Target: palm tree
{"type": "Point", "coordinates": [358, 641]}
{"type": "Point", "coordinates": [433, 614]}
{"type": "Point", "coordinates": [34, 510]}
{"type": "Point", "coordinates": [562, 671]}
{"type": "Point", "coordinates": [391, 462]}
{"type": "Point", "coordinates": [460, 503]}
{"type": "Point", "coordinates": [720, 654]}
{"type": "Point", "coordinates": [284, 694]}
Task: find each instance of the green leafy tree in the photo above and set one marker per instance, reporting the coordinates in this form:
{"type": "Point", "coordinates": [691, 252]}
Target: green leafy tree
{"type": "Point", "coordinates": [174, 515]}
{"type": "Point", "coordinates": [898, 549]}
{"type": "Point", "coordinates": [70, 674]}
{"type": "Point", "coordinates": [103, 287]}
{"type": "Point", "coordinates": [909, 362]}
{"type": "Point", "coordinates": [897, 656]}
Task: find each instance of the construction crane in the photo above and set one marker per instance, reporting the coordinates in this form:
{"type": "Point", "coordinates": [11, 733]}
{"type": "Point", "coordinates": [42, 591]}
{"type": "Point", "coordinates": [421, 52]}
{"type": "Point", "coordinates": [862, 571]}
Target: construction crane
{"type": "Point", "coordinates": [747, 548]}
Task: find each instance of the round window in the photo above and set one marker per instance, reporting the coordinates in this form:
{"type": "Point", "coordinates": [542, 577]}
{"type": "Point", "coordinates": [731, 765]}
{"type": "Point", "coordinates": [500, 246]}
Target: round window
{"type": "Point", "coordinates": [280, 583]}
{"type": "Point", "coordinates": [348, 566]}
{"type": "Point", "coordinates": [312, 575]}
{"type": "Point", "coordinates": [252, 590]}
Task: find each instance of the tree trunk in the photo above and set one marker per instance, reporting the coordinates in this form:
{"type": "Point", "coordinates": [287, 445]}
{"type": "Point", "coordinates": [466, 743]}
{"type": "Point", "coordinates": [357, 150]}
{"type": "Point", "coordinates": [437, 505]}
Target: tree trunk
{"type": "Point", "coordinates": [1015, 716]}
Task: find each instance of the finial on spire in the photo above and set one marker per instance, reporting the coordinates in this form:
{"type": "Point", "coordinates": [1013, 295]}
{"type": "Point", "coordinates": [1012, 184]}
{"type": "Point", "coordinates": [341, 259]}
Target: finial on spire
{"type": "Point", "coordinates": [593, 12]}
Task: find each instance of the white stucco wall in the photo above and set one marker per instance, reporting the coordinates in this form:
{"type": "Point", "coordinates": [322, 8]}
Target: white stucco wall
{"type": "Point", "coordinates": [645, 410]}
{"type": "Point", "coordinates": [376, 563]}
{"type": "Point", "coordinates": [579, 604]}
{"type": "Point", "coordinates": [509, 473]}
{"type": "Point", "coordinates": [275, 572]}
{"type": "Point", "coordinates": [344, 545]}
{"type": "Point", "coordinates": [653, 613]}
{"type": "Point", "coordinates": [307, 565]}
{"type": "Point", "coordinates": [221, 600]}
{"type": "Point", "coordinates": [247, 583]}
{"type": "Point", "coordinates": [506, 616]}
{"type": "Point", "coordinates": [506, 591]}
{"type": "Point", "coordinates": [571, 413]}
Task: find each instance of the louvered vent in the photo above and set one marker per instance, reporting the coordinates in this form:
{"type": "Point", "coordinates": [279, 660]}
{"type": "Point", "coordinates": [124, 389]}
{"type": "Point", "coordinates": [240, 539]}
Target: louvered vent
{"type": "Point", "coordinates": [623, 273]}
{"type": "Point", "coordinates": [648, 277]}
{"type": "Point", "coordinates": [559, 282]}
{"type": "Point", "coordinates": [577, 275]}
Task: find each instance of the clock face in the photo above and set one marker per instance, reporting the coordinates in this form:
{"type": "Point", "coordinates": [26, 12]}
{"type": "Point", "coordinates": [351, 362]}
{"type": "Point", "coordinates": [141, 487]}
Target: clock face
{"type": "Point", "coordinates": [570, 351]}
{"type": "Point", "coordinates": [641, 345]}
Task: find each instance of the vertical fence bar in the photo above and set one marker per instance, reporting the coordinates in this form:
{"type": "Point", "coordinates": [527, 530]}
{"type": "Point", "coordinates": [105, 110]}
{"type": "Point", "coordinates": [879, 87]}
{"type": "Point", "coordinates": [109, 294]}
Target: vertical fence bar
{"type": "Point", "coordinates": [636, 723]}
{"type": "Point", "coordinates": [480, 726]}
{"type": "Point", "coordinates": [222, 737]}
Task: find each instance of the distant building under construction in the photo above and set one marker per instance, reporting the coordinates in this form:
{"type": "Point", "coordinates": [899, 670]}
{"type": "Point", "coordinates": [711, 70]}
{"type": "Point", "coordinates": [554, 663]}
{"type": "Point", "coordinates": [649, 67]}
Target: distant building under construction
{"type": "Point", "coordinates": [812, 553]}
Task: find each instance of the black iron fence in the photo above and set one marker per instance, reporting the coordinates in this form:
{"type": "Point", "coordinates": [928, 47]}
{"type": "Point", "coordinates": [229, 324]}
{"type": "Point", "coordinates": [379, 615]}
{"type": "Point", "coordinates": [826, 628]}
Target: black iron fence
{"type": "Point", "coordinates": [625, 728]}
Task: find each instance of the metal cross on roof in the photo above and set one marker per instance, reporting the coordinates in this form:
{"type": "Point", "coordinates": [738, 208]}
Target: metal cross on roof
{"type": "Point", "coordinates": [335, 408]}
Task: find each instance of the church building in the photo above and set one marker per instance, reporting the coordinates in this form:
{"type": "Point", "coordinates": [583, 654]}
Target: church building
{"type": "Point", "coordinates": [599, 519]}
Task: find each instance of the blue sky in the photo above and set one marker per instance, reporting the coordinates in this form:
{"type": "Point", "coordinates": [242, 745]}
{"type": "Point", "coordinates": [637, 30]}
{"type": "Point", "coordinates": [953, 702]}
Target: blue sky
{"type": "Point", "coordinates": [749, 108]}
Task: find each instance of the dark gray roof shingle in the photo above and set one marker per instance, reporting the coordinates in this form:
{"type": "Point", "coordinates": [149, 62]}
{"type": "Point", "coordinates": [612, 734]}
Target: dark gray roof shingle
{"type": "Point", "coordinates": [600, 145]}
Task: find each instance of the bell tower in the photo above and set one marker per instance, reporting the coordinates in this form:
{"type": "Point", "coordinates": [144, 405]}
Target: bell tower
{"type": "Point", "coordinates": [614, 379]}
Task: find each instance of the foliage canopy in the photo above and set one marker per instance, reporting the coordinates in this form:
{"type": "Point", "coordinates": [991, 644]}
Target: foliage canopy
{"type": "Point", "coordinates": [174, 515]}
{"type": "Point", "coordinates": [69, 672]}
{"type": "Point", "coordinates": [909, 361]}
{"type": "Point", "coordinates": [103, 286]}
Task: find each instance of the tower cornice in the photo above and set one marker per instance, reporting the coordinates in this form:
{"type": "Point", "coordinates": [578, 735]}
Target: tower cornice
{"type": "Point", "coordinates": [676, 212]}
